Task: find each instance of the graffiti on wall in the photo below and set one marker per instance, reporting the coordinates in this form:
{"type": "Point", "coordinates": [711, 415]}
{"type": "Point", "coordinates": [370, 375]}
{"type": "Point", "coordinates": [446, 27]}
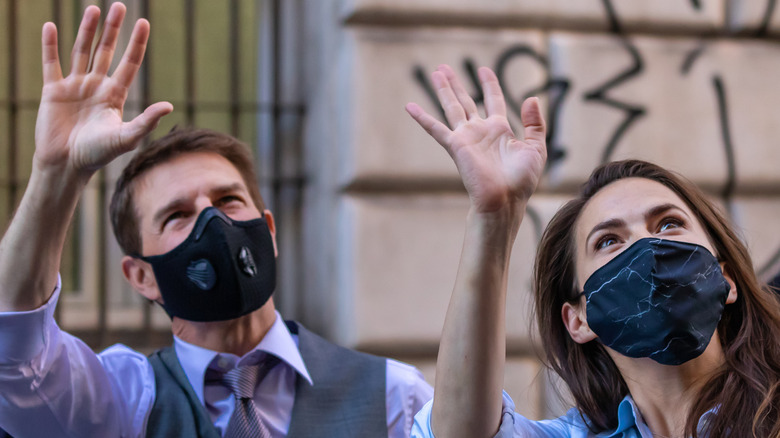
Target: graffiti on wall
{"type": "Point", "coordinates": [557, 89]}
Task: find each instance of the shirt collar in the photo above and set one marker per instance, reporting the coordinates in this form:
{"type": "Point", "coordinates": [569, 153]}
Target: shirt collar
{"type": "Point", "coordinates": [278, 341]}
{"type": "Point", "coordinates": [629, 417]}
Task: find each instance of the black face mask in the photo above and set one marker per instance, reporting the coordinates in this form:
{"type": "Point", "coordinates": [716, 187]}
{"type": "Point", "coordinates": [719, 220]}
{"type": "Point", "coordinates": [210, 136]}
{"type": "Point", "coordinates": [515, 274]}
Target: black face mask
{"type": "Point", "coordinates": [660, 299]}
{"type": "Point", "coordinates": [224, 269]}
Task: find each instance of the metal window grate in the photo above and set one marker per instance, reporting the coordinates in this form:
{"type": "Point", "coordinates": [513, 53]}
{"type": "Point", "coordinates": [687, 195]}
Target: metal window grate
{"type": "Point", "coordinates": [216, 62]}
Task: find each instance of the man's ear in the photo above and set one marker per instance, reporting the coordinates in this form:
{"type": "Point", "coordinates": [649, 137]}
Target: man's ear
{"type": "Point", "coordinates": [575, 320]}
{"type": "Point", "coordinates": [269, 219]}
{"type": "Point", "coordinates": [733, 292]}
{"type": "Point", "coordinates": [141, 276]}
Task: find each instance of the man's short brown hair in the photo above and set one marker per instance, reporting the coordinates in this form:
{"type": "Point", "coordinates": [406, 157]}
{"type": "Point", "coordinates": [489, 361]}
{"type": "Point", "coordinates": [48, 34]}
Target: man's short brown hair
{"type": "Point", "coordinates": [124, 216]}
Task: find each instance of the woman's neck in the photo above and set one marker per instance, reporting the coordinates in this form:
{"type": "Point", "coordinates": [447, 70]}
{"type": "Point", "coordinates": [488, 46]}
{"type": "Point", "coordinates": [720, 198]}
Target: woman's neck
{"type": "Point", "coordinates": [664, 394]}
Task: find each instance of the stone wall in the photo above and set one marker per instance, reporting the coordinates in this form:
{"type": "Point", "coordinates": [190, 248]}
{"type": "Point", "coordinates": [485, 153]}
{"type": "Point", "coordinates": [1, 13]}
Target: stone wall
{"type": "Point", "coordinates": [687, 84]}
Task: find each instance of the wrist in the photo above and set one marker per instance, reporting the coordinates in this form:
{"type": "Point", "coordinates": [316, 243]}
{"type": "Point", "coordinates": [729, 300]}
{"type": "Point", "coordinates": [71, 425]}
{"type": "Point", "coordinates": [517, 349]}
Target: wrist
{"type": "Point", "coordinates": [57, 187]}
{"type": "Point", "coordinates": [506, 219]}
{"type": "Point", "coordinates": [497, 229]}
{"type": "Point", "coordinates": [60, 175]}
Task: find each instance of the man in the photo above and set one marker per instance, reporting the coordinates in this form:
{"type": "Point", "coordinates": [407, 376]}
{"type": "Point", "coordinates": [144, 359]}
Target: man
{"type": "Point", "coordinates": [199, 242]}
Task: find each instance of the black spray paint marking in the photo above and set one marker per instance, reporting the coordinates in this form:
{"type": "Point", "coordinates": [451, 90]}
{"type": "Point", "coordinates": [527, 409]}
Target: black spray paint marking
{"type": "Point", "coordinates": [728, 145]}
{"type": "Point", "coordinates": [556, 88]}
{"type": "Point", "coordinates": [422, 79]}
{"type": "Point", "coordinates": [471, 72]}
{"type": "Point", "coordinates": [536, 222]}
{"type": "Point", "coordinates": [763, 29]}
{"type": "Point", "coordinates": [599, 94]}
{"type": "Point", "coordinates": [692, 57]}
{"type": "Point", "coordinates": [723, 114]}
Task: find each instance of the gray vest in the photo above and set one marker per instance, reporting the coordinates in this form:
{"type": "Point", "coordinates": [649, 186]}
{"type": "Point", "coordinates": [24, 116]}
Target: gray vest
{"type": "Point", "coordinates": [346, 400]}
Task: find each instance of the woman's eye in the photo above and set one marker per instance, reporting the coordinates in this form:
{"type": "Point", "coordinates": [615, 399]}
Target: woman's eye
{"type": "Point", "coordinates": [669, 223]}
{"type": "Point", "coordinates": [605, 242]}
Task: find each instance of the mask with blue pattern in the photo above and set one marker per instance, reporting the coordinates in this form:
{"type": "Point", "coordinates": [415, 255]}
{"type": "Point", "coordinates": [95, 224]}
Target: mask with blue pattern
{"type": "Point", "coordinates": [659, 298]}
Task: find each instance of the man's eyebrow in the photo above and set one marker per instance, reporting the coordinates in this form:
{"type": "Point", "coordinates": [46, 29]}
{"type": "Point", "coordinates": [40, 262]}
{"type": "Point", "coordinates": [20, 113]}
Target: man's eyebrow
{"type": "Point", "coordinates": [167, 208]}
{"type": "Point", "coordinates": [228, 188]}
{"type": "Point", "coordinates": [609, 223]}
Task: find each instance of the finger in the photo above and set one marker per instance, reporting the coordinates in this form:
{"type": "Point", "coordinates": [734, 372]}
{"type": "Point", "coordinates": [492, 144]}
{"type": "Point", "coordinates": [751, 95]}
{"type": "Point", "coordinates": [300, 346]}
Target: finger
{"type": "Point", "coordinates": [50, 56]}
{"type": "Point", "coordinates": [105, 48]}
{"type": "Point", "coordinates": [469, 107]}
{"type": "Point", "coordinates": [534, 128]}
{"type": "Point", "coordinates": [453, 110]}
{"type": "Point", "coordinates": [491, 89]}
{"type": "Point", "coordinates": [82, 48]}
{"type": "Point", "coordinates": [143, 124]}
{"type": "Point", "coordinates": [134, 54]}
{"type": "Point", "coordinates": [436, 129]}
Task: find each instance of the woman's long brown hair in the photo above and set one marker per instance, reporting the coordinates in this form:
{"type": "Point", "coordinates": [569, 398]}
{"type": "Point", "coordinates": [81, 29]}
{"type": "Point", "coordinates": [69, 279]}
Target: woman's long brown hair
{"type": "Point", "coordinates": [745, 392]}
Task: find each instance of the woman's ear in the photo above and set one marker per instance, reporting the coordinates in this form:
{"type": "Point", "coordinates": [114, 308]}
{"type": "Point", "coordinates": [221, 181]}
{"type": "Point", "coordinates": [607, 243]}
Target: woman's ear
{"type": "Point", "coordinates": [733, 292]}
{"type": "Point", "coordinates": [575, 319]}
{"type": "Point", "coordinates": [140, 275]}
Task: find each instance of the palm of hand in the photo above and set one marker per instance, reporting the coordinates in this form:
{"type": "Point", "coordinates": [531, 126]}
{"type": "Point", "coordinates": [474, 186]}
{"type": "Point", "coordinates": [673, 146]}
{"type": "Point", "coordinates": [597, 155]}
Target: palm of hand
{"type": "Point", "coordinates": [79, 122]}
{"type": "Point", "coordinates": [79, 127]}
{"type": "Point", "coordinates": [495, 167]}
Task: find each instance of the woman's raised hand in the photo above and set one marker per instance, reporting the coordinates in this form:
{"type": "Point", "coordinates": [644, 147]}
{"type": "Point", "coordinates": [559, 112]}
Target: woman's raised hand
{"type": "Point", "coordinates": [497, 169]}
{"type": "Point", "coordinates": [79, 127]}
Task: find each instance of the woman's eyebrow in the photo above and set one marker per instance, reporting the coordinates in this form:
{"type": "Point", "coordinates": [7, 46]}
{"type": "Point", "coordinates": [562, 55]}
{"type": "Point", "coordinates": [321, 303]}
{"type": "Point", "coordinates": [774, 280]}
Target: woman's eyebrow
{"type": "Point", "coordinates": [661, 209]}
{"type": "Point", "coordinates": [609, 223]}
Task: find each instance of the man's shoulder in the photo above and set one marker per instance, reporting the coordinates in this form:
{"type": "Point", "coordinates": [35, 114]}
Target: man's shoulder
{"type": "Point", "coordinates": [403, 381]}
{"type": "Point", "coordinates": [314, 347]}
{"type": "Point", "coordinates": [403, 372]}
{"type": "Point", "coordinates": [120, 355]}
{"type": "Point", "coordinates": [407, 383]}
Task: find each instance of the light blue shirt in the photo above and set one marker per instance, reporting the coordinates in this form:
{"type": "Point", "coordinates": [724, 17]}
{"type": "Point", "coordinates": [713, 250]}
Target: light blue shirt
{"type": "Point", "coordinates": [571, 425]}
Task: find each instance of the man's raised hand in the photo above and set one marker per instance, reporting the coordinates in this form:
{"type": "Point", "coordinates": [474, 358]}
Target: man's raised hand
{"type": "Point", "coordinates": [79, 127]}
{"type": "Point", "coordinates": [497, 169]}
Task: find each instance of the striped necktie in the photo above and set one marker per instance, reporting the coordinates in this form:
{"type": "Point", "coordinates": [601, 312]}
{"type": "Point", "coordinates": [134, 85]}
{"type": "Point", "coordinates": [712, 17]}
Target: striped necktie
{"type": "Point", "coordinates": [242, 381]}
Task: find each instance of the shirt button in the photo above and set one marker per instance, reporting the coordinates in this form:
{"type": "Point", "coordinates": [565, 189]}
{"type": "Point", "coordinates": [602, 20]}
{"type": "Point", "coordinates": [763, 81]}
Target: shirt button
{"type": "Point", "coordinates": [223, 363]}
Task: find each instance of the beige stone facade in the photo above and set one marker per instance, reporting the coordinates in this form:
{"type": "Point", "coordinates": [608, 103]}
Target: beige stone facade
{"type": "Point", "coordinates": [687, 84]}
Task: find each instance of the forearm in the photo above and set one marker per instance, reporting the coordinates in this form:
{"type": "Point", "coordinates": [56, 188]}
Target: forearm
{"type": "Point", "coordinates": [52, 384]}
{"type": "Point", "coordinates": [31, 248]}
{"type": "Point", "coordinates": [470, 366]}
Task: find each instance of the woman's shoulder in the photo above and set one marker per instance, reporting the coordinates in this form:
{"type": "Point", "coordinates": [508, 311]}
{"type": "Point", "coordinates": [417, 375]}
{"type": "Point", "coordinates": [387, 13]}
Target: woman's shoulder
{"type": "Point", "coordinates": [569, 425]}
{"type": "Point", "coordinates": [513, 424]}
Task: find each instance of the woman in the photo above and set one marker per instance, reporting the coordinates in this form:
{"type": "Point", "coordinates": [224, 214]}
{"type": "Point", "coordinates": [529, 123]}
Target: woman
{"type": "Point", "coordinates": [647, 305]}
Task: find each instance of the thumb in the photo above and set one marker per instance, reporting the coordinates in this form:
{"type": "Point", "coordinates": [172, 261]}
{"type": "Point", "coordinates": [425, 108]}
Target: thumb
{"type": "Point", "coordinates": [144, 123]}
{"type": "Point", "coordinates": [534, 128]}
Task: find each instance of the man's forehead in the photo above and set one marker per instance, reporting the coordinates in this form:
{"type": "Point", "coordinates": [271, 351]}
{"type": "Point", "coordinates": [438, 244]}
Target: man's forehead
{"type": "Point", "coordinates": [182, 176]}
